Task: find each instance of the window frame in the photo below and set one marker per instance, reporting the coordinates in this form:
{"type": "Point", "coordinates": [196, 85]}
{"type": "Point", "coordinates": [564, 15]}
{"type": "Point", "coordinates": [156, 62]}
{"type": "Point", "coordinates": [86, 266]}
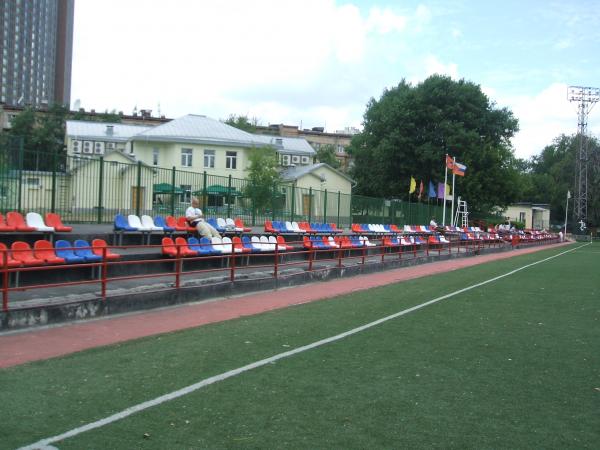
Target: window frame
{"type": "Point", "coordinates": [231, 160]}
{"type": "Point", "coordinates": [187, 157]}
{"type": "Point", "coordinates": [210, 156]}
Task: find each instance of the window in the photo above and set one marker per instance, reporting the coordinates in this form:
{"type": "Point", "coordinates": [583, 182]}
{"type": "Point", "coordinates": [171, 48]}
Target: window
{"type": "Point", "coordinates": [155, 156]}
{"type": "Point", "coordinates": [230, 160]}
{"type": "Point", "coordinates": [340, 148]}
{"type": "Point", "coordinates": [522, 217]}
{"type": "Point", "coordinates": [186, 196]}
{"type": "Point", "coordinates": [186, 157]}
{"type": "Point", "coordinates": [209, 159]}
{"type": "Point", "coordinates": [33, 182]}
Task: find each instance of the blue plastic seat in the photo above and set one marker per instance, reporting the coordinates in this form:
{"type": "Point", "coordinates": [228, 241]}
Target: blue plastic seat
{"type": "Point", "coordinates": [63, 250]}
{"type": "Point", "coordinates": [83, 250]}
{"type": "Point", "coordinates": [247, 243]}
{"type": "Point", "coordinates": [205, 248]}
{"type": "Point", "coordinates": [159, 221]}
{"type": "Point", "coordinates": [213, 222]}
{"type": "Point", "coordinates": [121, 224]}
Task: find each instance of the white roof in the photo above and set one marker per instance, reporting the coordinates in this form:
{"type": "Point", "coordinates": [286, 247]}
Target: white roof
{"type": "Point", "coordinates": [198, 129]}
{"type": "Point", "coordinates": [88, 130]}
{"type": "Point", "coordinates": [287, 144]}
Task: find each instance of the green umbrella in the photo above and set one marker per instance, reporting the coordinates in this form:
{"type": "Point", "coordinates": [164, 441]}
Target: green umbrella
{"type": "Point", "coordinates": [166, 188]}
{"type": "Point", "coordinates": [217, 189]}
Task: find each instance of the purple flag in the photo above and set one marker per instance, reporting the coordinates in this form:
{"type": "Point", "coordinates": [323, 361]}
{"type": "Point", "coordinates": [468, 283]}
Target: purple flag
{"type": "Point", "coordinates": [441, 191]}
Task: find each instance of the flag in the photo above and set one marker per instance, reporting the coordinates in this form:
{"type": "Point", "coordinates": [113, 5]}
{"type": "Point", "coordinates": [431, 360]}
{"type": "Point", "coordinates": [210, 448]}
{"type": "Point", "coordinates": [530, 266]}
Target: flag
{"type": "Point", "coordinates": [440, 191]}
{"type": "Point", "coordinates": [459, 169]}
{"type": "Point", "coordinates": [432, 193]}
{"type": "Point", "coordinates": [449, 162]}
{"type": "Point", "coordinates": [448, 192]}
{"type": "Point", "coordinates": [413, 185]}
{"type": "Point", "coordinates": [421, 189]}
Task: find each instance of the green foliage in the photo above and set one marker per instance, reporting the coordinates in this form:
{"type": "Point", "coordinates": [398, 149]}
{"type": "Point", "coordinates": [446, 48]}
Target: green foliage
{"type": "Point", "coordinates": [409, 129]}
{"type": "Point", "coordinates": [326, 154]}
{"type": "Point", "coordinates": [263, 177]}
{"type": "Point", "coordinates": [242, 122]}
{"type": "Point", "coordinates": [546, 178]}
{"type": "Point", "coordinates": [43, 137]}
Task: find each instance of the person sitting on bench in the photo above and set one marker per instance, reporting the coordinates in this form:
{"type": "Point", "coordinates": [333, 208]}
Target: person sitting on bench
{"type": "Point", "coordinates": [195, 218]}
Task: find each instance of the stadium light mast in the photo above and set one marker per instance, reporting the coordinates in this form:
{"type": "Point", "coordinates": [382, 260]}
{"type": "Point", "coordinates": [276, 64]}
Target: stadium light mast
{"type": "Point", "coordinates": [586, 97]}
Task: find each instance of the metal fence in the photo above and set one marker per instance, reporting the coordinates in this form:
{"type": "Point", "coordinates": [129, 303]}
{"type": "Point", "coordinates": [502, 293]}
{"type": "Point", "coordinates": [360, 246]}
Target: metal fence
{"type": "Point", "coordinates": [92, 190]}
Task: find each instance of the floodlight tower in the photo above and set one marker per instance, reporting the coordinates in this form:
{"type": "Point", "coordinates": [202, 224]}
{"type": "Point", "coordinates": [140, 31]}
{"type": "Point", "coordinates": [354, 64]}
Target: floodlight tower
{"type": "Point", "coordinates": [586, 97]}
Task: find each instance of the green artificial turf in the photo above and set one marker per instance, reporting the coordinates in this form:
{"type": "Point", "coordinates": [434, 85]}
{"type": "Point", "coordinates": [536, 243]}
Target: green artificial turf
{"type": "Point", "coordinates": [512, 364]}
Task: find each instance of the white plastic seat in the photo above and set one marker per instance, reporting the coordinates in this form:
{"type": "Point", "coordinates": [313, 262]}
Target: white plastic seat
{"type": "Point", "coordinates": [267, 247]}
{"type": "Point", "coordinates": [256, 245]}
{"type": "Point", "coordinates": [227, 245]}
{"type": "Point", "coordinates": [231, 225]}
{"type": "Point", "coordinates": [135, 222]}
{"type": "Point", "coordinates": [221, 223]}
{"type": "Point", "coordinates": [289, 227]}
{"type": "Point", "coordinates": [273, 244]}
{"type": "Point", "coordinates": [217, 244]}
{"type": "Point", "coordinates": [148, 222]}
{"type": "Point", "coordinates": [35, 220]}
{"type": "Point", "coordinates": [332, 242]}
{"type": "Point", "coordinates": [296, 227]}
{"type": "Point", "coordinates": [369, 243]}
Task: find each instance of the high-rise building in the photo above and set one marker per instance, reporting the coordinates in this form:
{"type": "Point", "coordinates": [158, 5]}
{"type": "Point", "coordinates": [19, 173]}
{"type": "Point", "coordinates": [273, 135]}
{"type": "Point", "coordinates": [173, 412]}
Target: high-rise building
{"type": "Point", "coordinates": [36, 46]}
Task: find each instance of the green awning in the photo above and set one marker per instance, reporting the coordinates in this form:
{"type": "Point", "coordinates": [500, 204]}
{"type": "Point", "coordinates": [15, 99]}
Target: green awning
{"type": "Point", "coordinates": [166, 188]}
{"type": "Point", "coordinates": [217, 189]}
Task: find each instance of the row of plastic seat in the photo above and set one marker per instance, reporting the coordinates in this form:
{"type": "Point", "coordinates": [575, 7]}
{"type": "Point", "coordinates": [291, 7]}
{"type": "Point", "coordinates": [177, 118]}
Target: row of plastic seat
{"type": "Point", "coordinates": [276, 227]}
{"type": "Point", "coordinates": [331, 242]}
{"type": "Point", "coordinates": [15, 222]}
{"type": "Point", "coordinates": [44, 253]}
{"type": "Point", "coordinates": [219, 246]}
{"type": "Point", "coordinates": [378, 228]}
{"type": "Point", "coordinates": [171, 224]}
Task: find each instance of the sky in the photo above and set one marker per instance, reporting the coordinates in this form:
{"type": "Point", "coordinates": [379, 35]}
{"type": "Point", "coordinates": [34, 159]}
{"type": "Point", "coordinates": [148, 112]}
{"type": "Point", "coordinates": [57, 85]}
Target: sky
{"type": "Point", "coordinates": [317, 63]}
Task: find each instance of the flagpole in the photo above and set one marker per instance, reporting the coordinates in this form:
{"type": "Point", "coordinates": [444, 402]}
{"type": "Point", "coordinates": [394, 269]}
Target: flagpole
{"type": "Point", "coordinates": [444, 199]}
{"type": "Point", "coordinates": [452, 207]}
{"type": "Point", "coordinates": [566, 212]}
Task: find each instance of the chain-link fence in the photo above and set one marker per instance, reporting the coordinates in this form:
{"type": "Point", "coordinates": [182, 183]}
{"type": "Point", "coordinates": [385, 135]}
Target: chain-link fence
{"type": "Point", "coordinates": [94, 189]}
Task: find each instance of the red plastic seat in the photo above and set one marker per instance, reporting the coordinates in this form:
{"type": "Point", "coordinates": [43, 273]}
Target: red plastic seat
{"type": "Point", "coordinates": [54, 220]}
{"type": "Point", "coordinates": [172, 222]}
{"type": "Point", "coordinates": [395, 229]}
{"type": "Point", "coordinates": [44, 250]}
{"type": "Point", "coordinates": [307, 242]}
{"type": "Point", "coordinates": [10, 261]}
{"type": "Point", "coordinates": [16, 220]}
{"type": "Point", "coordinates": [184, 250]}
{"type": "Point", "coordinates": [97, 248]}
{"type": "Point", "coordinates": [183, 225]}
{"type": "Point", "coordinates": [4, 226]}
{"type": "Point", "coordinates": [238, 246]}
{"type": "Point", "coordinates": [168, 247]}
{"type": "Point", "coordinates": [22, 252]}
{"type": "Point", "coordinates": [269, 227]}
{"type": "Point", "coordinates": [283, 246]}
{"type": "Point", "coordinates": [239, 223]}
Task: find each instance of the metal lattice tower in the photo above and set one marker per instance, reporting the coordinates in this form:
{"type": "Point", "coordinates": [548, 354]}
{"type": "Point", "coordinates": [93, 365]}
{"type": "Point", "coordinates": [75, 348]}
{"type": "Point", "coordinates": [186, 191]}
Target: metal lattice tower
{"type": "Point", "coordinates": [586, 97]}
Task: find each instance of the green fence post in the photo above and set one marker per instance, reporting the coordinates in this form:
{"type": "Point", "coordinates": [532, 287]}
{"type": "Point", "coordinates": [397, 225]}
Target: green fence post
{"type": "Point", "coordinates": [350, 217]}
{"type": "Point", "coordinates": [173, 174]}
{"type": "Point", "coordinates": [204, 199]}
{"type": "Point", "coordinates": [138, 193]}
{"type": "Point", "coordinates": [100, 189]}
{"type": "Point", "coordinates": [338, 214]}
{"type": "Point", "coordinates": [273, 202]}
{"type": "Point", "coordinates": [309, 204]}
{"type": "Point", "coordinates": [325, 207]}
{"type": "Point", "coordinates": [229, 198]}
{"type": "Point", "coordinates": [21, 156]}
{"type": "Point", "coordinates": [292, 216]}
{"type": "Point", "coordinates": [53, 194]}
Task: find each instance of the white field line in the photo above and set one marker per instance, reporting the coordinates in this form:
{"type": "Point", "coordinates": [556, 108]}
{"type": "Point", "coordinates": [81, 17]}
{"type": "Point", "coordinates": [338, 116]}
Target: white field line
{"type": "Point", "coordinates": [45, 443]}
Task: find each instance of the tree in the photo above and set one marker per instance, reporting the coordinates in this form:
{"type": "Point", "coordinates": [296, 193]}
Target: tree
{"type": "Point", "coordinates": [242, 122]}
{"type": "Point", "coordinates": [409, 129]}
{"type": "Point", "coordinates": [263, 177]}
{"type": "Point", "coordinates": [326, 154]}
{"type": "Point", "coordinates": [549, 175]}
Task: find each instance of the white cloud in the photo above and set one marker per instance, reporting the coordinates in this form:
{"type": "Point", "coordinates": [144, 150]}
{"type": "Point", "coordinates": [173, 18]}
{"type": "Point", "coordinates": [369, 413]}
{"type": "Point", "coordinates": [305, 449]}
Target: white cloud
{"type": "Point", "coordinates": [385, 21]}
{"type": "Point", "coordinates": [543, 117]}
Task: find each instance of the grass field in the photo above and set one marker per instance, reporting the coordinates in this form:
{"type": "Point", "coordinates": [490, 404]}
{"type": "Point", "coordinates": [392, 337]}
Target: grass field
{"type": "Point", "coordinates": [511, 364]}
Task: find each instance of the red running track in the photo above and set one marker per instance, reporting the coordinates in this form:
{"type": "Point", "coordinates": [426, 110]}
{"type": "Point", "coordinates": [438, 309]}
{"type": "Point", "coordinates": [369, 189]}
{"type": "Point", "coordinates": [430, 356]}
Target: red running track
{"type": "Point", "coordinates": [36, 344]}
